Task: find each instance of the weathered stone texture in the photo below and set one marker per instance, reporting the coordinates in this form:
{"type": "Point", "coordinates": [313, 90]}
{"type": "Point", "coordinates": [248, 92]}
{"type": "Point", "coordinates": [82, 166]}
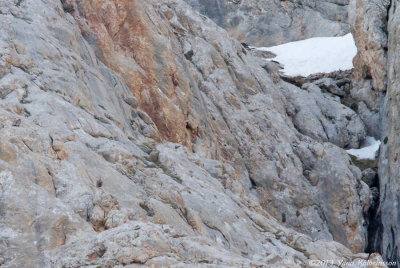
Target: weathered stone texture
{"type": "Point", "coordinates": [139, 132]}
{"type": "Point", "coordinates": [271, 22]}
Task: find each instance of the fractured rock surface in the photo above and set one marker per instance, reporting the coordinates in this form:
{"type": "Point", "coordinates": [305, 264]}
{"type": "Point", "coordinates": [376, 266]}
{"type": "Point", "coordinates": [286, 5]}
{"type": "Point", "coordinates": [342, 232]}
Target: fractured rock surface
{"type": "Point", "coordinates": [140, 132]}
{"type": "Point", "coordinates": [270, 22]}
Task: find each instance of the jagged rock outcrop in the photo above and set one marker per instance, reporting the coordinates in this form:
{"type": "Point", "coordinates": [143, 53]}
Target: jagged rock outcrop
{"type": "Point", "coordinates": [139, 132]}
{"type": "Point", "coordinates": [319, 110]}
{"type": "Point", "coordinates": [272, 22]}
{"type": "Point", "coordinates": [368, 20]}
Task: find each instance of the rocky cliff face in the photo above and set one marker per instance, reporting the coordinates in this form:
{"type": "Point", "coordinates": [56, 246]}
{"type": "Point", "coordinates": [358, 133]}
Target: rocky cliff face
{"type": "Point", "coordinates": [139, 132]}
{"type": "Point", "coordinates": [387, 239]}
{"type": "Point", "coordinates": [369, 23]}
{"type": "Point", "coordinates": [272, 22]}
{"type": "Point", "coordinates": [377, 66]}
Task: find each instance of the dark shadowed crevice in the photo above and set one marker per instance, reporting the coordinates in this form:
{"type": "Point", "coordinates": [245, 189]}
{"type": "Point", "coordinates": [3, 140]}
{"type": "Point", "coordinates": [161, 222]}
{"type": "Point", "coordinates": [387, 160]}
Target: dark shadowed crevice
{"type": "Point", "coordinates": [374, 222]}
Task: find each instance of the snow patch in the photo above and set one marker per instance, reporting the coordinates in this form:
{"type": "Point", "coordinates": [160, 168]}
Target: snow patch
{"type": "Point", "coordinates": [315, 55]}
{"type": "Point", "coordinates": [368, 151]}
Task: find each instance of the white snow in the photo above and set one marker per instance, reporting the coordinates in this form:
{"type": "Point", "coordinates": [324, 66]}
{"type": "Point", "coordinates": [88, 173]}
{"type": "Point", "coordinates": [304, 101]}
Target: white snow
{"type": "Point", "coordinates": [315, 55]}
{"type": "Point", "coordinates": [368, 151]}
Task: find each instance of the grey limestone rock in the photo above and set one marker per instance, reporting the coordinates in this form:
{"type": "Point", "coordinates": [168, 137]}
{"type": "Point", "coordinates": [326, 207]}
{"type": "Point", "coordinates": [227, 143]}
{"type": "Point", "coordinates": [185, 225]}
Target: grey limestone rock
{"type": "Point", "coordinates": [91, 173]}
{"type": "Point", "coordinates": [271, 22]}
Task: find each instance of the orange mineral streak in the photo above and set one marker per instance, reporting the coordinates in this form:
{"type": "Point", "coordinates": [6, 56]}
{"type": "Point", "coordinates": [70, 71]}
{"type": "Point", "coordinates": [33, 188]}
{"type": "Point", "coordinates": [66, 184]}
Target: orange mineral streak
{"type": "Point", "coordinates": [137, 48]}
